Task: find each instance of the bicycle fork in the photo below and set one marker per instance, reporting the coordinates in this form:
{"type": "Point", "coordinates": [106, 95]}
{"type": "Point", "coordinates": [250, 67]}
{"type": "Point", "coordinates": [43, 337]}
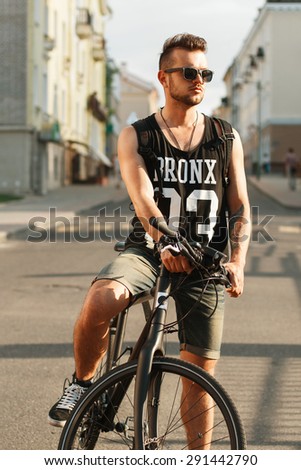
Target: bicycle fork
{"type": "Point", "coordinates": [152, 346]}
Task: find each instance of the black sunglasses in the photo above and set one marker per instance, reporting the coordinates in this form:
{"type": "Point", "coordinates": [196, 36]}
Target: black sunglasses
{"type": "Point", "coordinates": [190, 73]}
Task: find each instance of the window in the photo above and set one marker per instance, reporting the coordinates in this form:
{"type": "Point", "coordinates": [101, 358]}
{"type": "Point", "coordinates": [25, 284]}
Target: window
{"type": "Point", "coordinates": [37, 6]}
{"type": "Point", "coordinates": [36, 86]}
{"type": "Point", "coordinates": [46, 20]}
{"type": "Point", "coordinates": [63, 116]}
{"type": "Point", "coordinates": [55, 102]}
{"type": "Point", "coordinates": [45, 93]}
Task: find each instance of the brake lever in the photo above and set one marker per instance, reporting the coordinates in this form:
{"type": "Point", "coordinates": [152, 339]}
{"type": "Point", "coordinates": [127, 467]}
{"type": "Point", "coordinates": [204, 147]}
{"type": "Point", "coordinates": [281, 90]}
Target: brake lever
{"type": "Point", "coordinates": [225, 277]}
{"type": "Point", "coordinates": [179, 248]}
{"type": "Point", "coordinates": [174, 249]}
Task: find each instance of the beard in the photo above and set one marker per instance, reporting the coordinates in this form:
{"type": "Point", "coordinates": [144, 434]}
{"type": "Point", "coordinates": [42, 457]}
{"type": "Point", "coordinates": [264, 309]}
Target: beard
{"type": "Point", "coordinates": [188, 99]}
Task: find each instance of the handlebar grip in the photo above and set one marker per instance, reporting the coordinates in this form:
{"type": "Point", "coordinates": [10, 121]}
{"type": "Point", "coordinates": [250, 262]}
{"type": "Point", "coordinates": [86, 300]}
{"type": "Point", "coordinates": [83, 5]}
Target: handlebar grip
{"type": "Point", "coordinates": [161, 225]}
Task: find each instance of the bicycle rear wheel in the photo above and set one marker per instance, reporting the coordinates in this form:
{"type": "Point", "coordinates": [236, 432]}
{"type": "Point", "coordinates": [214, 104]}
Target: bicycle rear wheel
{"type": "Point", "coordinates": [104, 417]}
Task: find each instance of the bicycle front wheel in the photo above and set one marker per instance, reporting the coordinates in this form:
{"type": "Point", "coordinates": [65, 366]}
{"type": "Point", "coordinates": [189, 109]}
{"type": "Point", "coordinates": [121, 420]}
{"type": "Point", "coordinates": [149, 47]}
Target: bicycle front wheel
{"type": "Point", "coordinates": [186, 409]}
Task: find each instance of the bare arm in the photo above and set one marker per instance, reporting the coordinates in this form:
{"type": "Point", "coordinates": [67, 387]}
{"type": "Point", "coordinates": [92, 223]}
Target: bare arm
{"type": "Point", "coordinates": [141, 192]}
{"type": "Point", "coordinates": [136, 179]}
{"type": "Point", "coordinates": [240, 218]}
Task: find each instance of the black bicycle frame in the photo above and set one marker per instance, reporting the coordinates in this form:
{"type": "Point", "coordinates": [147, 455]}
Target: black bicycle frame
{"type": "Point", "coordinates": [151, 347]}
{"type": "Point", "coordinates": [149, 344]}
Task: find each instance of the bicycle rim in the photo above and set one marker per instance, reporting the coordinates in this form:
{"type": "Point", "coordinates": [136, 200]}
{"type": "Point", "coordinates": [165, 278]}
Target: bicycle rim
{"type": "Point", "coordinates": [199, 415]}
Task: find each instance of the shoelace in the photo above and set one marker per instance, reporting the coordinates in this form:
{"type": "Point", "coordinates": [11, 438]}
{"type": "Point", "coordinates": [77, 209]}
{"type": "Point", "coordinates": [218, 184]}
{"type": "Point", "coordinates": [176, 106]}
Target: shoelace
{"type": "Point", "coordinates": [71, 396]}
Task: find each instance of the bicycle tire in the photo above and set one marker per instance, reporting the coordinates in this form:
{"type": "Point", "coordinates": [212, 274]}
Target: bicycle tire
{"type": "Point", "coordinates": [162, 427]}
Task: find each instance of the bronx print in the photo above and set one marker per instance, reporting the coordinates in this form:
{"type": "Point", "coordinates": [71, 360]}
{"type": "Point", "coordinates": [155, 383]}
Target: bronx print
{"type": "Point", "coordinates": [187, 171]}
{"type": "Point", "coordinates": [193, 174]}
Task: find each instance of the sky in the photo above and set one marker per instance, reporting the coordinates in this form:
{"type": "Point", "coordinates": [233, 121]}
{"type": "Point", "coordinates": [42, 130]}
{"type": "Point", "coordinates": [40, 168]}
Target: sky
{"type": "Point", "coordinates": [137, 29]}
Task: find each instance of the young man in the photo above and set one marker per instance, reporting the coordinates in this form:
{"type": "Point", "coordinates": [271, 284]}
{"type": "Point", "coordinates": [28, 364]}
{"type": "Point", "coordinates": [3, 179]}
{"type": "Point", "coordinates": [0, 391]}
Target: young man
{"type": "Point", "coordinates": [183, 179]}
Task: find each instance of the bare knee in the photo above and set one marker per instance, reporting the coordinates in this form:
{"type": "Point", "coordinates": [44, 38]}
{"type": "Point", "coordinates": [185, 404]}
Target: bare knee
{"type": "Point", "coordinates": [105, 299]}
{"type": "Point", "coordinates": [205, 363]}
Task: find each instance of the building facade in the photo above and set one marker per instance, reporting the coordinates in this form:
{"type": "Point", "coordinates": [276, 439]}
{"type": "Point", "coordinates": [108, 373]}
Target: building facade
{"type": "Point", "coordinates": [52, 93]}
{"type": "Point", "coordinates": [139, 98]}
{"type": "Point", "coordinates": [263, 98]}
{"type": "Point", "coordinates": [130, 98]}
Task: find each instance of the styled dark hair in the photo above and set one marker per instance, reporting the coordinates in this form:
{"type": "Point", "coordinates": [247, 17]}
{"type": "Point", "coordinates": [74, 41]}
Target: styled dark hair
{"type": "Point", "coordinates": [182, 41]}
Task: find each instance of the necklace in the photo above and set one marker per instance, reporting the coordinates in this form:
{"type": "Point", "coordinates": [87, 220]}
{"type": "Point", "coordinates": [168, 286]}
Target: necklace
{"type": "Point", "coordinates": [172, 134]}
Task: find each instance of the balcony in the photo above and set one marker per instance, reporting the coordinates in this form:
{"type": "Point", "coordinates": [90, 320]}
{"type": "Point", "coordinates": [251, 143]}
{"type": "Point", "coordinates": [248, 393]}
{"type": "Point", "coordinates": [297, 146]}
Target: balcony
{"type": "Point", "coordinates": [49, 43]}
{"type": "Point", "coordinates": [48, 46]}
{"type": "Point", "coordinates": [96, 109]}
{"type": "Point", "coordinates": [84, 27]}
{"type": "Point", "coordinates": [98, 48]}
{"type": "Point", "coordinates": [66, 63]}
{"type": "Point", "coordinates": [80, 78]}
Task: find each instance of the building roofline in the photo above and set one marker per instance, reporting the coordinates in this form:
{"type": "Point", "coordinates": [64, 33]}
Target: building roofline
{"type": "Point", "coordinates": [262, 12]}
{"type": "Point", "coordinates": [136, 81]}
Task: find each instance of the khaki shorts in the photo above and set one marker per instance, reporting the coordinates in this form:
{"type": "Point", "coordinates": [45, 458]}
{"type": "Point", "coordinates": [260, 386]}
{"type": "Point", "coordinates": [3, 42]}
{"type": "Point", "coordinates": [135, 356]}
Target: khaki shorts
{"type": "Point", "coordinates": [200, 332]}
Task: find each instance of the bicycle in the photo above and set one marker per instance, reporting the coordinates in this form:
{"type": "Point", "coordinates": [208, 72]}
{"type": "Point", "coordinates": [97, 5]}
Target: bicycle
{"type": "Point", "coordinates": [131, 405]}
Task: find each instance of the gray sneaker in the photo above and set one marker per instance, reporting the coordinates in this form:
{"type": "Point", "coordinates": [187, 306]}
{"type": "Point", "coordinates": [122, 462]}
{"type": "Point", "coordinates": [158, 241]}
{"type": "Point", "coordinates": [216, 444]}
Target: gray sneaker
{"type": "Point", "coordinates": [61, 410]}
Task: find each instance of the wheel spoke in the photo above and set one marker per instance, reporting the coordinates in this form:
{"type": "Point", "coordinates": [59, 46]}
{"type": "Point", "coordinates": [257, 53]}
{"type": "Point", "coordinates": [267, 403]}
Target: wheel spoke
{"type": "Point", "coordinates": [204, 412]}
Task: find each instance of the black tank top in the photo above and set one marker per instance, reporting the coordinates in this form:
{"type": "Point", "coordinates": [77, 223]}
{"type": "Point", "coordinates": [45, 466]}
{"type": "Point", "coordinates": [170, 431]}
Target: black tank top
{"type": "Point", "coordinates": [189, 188]}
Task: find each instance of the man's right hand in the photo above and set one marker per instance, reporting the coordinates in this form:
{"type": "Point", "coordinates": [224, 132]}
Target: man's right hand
{"type": "Point", "coordinates": [176, 264]}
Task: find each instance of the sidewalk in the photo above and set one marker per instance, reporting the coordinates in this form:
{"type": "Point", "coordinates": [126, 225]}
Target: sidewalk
{"type": "Point", "coordinates": [276, 187]}
{"type": "Point", "coordinates": [68, 201]}
{"type": "Point", "coordinates": [71, 200]}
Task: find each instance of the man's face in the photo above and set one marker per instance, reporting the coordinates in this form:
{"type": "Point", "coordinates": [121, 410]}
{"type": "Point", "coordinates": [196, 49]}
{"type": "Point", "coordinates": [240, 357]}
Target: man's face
{"type": "Point", "coordinates": [185, 91]}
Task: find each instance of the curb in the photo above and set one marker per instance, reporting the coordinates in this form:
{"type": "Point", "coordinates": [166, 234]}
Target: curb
{"type": "Point", "coordinates": [13, 234]}
{"type": "Point", "coordinates": [267, 193]}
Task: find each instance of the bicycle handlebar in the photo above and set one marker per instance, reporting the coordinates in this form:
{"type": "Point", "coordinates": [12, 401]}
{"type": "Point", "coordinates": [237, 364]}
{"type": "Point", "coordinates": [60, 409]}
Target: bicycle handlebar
{"type": "Point", "coordinates": [161, 225]}
{"type": "Point", "coordinates": [200, 256]}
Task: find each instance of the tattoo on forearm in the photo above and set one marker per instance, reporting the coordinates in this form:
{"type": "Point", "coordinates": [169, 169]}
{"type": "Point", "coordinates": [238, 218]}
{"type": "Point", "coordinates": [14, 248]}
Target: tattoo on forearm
{"type": "Point", "coordinates": [237, 228]}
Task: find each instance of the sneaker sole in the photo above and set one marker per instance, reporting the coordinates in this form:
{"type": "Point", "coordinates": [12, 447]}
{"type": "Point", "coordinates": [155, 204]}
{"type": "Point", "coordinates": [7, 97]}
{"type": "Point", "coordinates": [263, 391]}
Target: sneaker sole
{"type": "Point", "coordinates": [57, 424]}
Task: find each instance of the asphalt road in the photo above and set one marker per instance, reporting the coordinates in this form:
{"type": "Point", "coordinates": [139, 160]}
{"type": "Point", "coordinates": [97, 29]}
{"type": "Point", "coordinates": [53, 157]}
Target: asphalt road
{"type": "Point", "coordinates": [43, 285]}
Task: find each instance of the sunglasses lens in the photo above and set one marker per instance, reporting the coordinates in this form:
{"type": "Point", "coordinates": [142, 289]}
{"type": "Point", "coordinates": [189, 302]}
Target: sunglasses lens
{"type": "Point", "coordinates": [207, 75]}
{"type": "Point", "coordinates": [190, 74]}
